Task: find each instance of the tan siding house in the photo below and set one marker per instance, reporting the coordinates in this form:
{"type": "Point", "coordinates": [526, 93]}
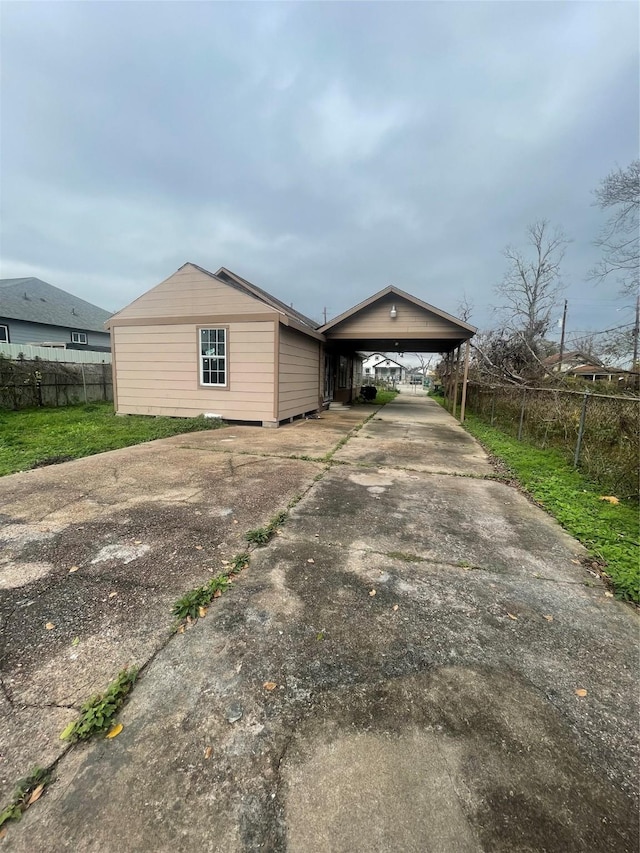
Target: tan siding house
{"type": "Point", "coordinates": [204, 343]}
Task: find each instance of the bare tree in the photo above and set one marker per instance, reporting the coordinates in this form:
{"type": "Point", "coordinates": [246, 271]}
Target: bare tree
{"type": "Point", "coordinates": [619, 239]}
{"type": "Point", "coordinates": [532, 283]}
{"type": "Point", "coordinates": [465, 308]}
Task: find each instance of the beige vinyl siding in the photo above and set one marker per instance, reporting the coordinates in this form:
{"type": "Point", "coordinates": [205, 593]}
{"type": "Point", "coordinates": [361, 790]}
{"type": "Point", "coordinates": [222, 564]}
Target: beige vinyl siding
{"type": "Point", "coordinates": [190, 292]}
{"type": "Point", "coordinates": [411, 322]}
{"type": "Point", "coordinates": [158, 372]}
{"type": "Point", "coordinates": [299, 371]}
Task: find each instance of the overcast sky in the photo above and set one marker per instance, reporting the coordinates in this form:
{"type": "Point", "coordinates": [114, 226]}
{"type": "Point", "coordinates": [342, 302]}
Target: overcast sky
{"type": "Point", "coordinates": [321, 150]}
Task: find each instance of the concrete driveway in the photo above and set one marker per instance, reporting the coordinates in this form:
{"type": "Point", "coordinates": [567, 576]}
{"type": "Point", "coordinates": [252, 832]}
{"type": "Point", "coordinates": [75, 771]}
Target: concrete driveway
{"type": "Point", "coordinates": [426, 633]}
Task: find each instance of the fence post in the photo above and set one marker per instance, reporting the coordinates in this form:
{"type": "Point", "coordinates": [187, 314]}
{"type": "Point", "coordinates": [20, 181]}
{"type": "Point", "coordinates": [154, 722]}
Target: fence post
{"type": "Point", "coordinates": [583, 414]}
{"type": "Point", "coordinates": [84, 381]}
{"type": "Point", "coordinates": [524, 398]}
{"type": "Point", "coordinates": [493, 406]}
{"type": "Point", "coordinates": [104, 382]}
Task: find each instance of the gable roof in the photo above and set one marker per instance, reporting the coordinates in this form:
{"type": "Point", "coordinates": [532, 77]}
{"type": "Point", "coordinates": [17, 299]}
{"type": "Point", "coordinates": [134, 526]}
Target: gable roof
{"type": "Point", "coordinates": [253, 290]}
{"type": "Point", "coordinates": [391, 289]}
{"type": "Point", "coordinates": [35, 301]}
{"type": "Point", "coordinates": [574, 355]}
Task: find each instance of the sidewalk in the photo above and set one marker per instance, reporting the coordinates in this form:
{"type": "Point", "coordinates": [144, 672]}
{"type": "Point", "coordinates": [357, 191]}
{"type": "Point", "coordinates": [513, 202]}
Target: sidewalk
{"type": "Point", "coordinates": [426, 629]}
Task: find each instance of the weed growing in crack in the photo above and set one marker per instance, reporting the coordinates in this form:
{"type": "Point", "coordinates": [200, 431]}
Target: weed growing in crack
{"type": "Point", "coordinates": [27, 791]}
{"type": "Point", "coordinates": [191, 605]}
{"type": "Point", "coordinates": [97, 713]}
{"type": "Point", "coordinates": [260, 536]}
{"type": "Point", "coordinates": [407, 558]}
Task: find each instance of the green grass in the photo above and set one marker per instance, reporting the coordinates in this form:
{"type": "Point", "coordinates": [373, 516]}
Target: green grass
{"type": "Point", "coordinates": [42, 436]}
{"type": "Point", "coordinates": [384, 397]}
{"type": "Point", "coordinates": [609, 532]}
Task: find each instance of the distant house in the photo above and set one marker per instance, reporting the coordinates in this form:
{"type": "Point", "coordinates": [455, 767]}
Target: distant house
{"type": "Point", "coordinates": [379, 366]}
{"type": "Point", "coordinates": [35, 313]}
{"type": "Point", "coordinates": [583, 366]}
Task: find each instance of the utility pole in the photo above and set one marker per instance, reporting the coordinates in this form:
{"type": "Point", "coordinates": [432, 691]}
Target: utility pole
{"type": "Point", "coordinates": [564, 325]}
{"type": "Point", "coordinates": [324, 311]}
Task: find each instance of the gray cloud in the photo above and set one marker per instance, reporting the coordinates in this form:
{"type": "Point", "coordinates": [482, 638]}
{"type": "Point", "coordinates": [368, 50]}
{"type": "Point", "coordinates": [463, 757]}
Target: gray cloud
{"type": "Point", "coordinates": [321, 150]}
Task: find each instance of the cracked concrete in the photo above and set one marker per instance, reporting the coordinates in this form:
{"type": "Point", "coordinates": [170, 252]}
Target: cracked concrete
{"type": "Point", "coordinates": [426, 634]}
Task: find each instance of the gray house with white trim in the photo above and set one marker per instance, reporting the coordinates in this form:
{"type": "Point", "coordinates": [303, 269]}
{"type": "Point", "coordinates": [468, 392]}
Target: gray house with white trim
{"type": "Point", "coordinates": [33, 312]}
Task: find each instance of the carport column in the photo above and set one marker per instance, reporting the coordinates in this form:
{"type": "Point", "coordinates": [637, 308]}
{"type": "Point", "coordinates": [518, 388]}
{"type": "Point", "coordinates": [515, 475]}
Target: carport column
{"type": "Point", "coordinates": [455, 384]}
{"type": "Point", "coordinates": [463, 403]}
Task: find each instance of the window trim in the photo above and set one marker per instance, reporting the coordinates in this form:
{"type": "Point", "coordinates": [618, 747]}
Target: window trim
{"type": "Point", "coordinates": [7, 339]}
{"type": "Point", "coordinates": [80, 335]}
{"type": "Point", "coordinates": [206, 385]}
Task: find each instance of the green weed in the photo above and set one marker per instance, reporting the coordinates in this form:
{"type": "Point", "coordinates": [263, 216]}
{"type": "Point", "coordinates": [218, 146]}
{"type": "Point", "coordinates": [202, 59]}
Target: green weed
{"type": "Point", "coordinates": [407, 558]}
{"type": "Point", "coordinates": [260, 536]}
{"type": "Point", "coordinates": [22, 794]}
{"type": "Point", "coordinates": [191, 602]}
{"type": "Point", "coordinates": [97, 713]}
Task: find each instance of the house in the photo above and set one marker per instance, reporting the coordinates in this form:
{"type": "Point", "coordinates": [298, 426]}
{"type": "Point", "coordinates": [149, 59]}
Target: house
{"type": "Point", "coordinates": [216, 344]}
{"type": "Point", "coordinates": [33, 312]}
{"type": "Point", "coordinates": [584, 366]}
{"type": "Point", "coordinates": [378, 366]}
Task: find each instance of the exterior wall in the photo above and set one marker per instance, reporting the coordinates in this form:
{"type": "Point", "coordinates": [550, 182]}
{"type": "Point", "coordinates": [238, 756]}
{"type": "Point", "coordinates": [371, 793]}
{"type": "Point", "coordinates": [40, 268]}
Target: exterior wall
{"type": "Point", "coordinates": [411, 321]}
{"type": "Point", "coordinates": [191, 293]}
{"type": "Point", "coordinates": [158, 372]}
{"type": "Point", "coordinates": [23, 332]}
{"type": "Point", "coordinates": [298, 387]}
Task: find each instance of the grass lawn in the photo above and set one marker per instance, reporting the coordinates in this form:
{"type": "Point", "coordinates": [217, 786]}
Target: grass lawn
{"type": "Point", "coordinates": [609, 531]}
{"type": "Point", "coordinates": [383, 397]}
{"type": "Point", "coordinates": [42, 436]}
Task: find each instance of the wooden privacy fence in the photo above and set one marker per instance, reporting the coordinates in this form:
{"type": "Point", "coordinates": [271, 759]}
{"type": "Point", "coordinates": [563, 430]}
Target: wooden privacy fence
{"type": "Point", "coordinates": [598, 433]}
{"type": "Point", "coordinates": [27, 384]}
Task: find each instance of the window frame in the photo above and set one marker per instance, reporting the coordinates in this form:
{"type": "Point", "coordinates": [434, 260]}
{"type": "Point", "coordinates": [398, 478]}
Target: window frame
{"type": "Point", "coordinates": [7, 339]}
{"type": "Point", "coordinates": [80, 335]}
{"type": "Point", "coordinates": [201, 357]}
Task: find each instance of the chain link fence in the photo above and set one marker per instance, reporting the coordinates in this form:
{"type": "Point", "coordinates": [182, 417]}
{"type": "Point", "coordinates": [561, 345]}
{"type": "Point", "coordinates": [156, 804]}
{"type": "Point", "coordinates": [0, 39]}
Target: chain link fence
{"type": "Point", "coordinates": [27, 384]}
{"type": "Point", "coordinates": [598, 433]}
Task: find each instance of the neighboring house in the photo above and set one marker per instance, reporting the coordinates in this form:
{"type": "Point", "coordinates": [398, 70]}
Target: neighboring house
{"type": "Point", "coordinates": [378, 366]}
{"type": "Point", "coordinates": [598, 373]}
{"type": "Point", "coordinates": [584, 367]}
{"type": "Point", "coordinates": [570, 360]}
{"type": "Point", "coordinates": [215, 344]}
{"type": "Point", "coordinates": [35, 313]}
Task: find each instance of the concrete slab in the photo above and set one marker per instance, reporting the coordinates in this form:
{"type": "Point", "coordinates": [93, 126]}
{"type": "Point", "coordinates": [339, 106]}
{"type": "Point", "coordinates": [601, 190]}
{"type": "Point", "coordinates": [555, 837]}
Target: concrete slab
{"type": "Point", "coordinates": [418, 434]}
{"type": "Point", "coordinates": [422, 701]}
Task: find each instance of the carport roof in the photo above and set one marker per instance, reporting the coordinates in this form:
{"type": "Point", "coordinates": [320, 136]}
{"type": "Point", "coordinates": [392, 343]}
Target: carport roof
{"type": "Point", "coordinates": [441, 332]}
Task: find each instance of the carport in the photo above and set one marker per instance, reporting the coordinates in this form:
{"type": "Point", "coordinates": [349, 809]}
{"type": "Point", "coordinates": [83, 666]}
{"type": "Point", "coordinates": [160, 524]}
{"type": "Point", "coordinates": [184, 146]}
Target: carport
{"type": "Point", "coordinates": [395, 321]}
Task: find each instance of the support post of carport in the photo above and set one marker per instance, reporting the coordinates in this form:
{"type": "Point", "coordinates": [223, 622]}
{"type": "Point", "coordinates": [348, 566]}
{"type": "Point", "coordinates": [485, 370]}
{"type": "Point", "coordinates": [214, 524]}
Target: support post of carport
{"type": "Point", "coordinates": [463, 403]}
{"type": "Point", "coordinates": [455, 383]}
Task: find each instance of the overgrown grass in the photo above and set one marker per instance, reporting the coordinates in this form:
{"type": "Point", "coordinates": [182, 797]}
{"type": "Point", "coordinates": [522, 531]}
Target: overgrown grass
{"type": "Point", "coordinates": [608, 530]}
{"type": "Point", "coordinates": [97, 713]}
{"type": "Point", "coordinates": [383, 397]}
{"type": "Point", "coordinates": [36, 437]}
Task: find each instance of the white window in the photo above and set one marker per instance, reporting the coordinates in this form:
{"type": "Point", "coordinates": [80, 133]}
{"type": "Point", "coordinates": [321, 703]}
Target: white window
{"type": "Point", "coordinates": [213, 357]}
{"type": "Point", "coordinates": [4, 334]}
{"type": "Point", "coordinates": [367, 370]}
{"type": "Point", "coordinates": [78, 337]}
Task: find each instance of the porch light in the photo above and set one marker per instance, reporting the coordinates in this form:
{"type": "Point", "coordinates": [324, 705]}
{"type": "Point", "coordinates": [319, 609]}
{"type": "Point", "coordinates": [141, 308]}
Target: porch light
{"type": "Point", "coordinates": [393, 313]}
